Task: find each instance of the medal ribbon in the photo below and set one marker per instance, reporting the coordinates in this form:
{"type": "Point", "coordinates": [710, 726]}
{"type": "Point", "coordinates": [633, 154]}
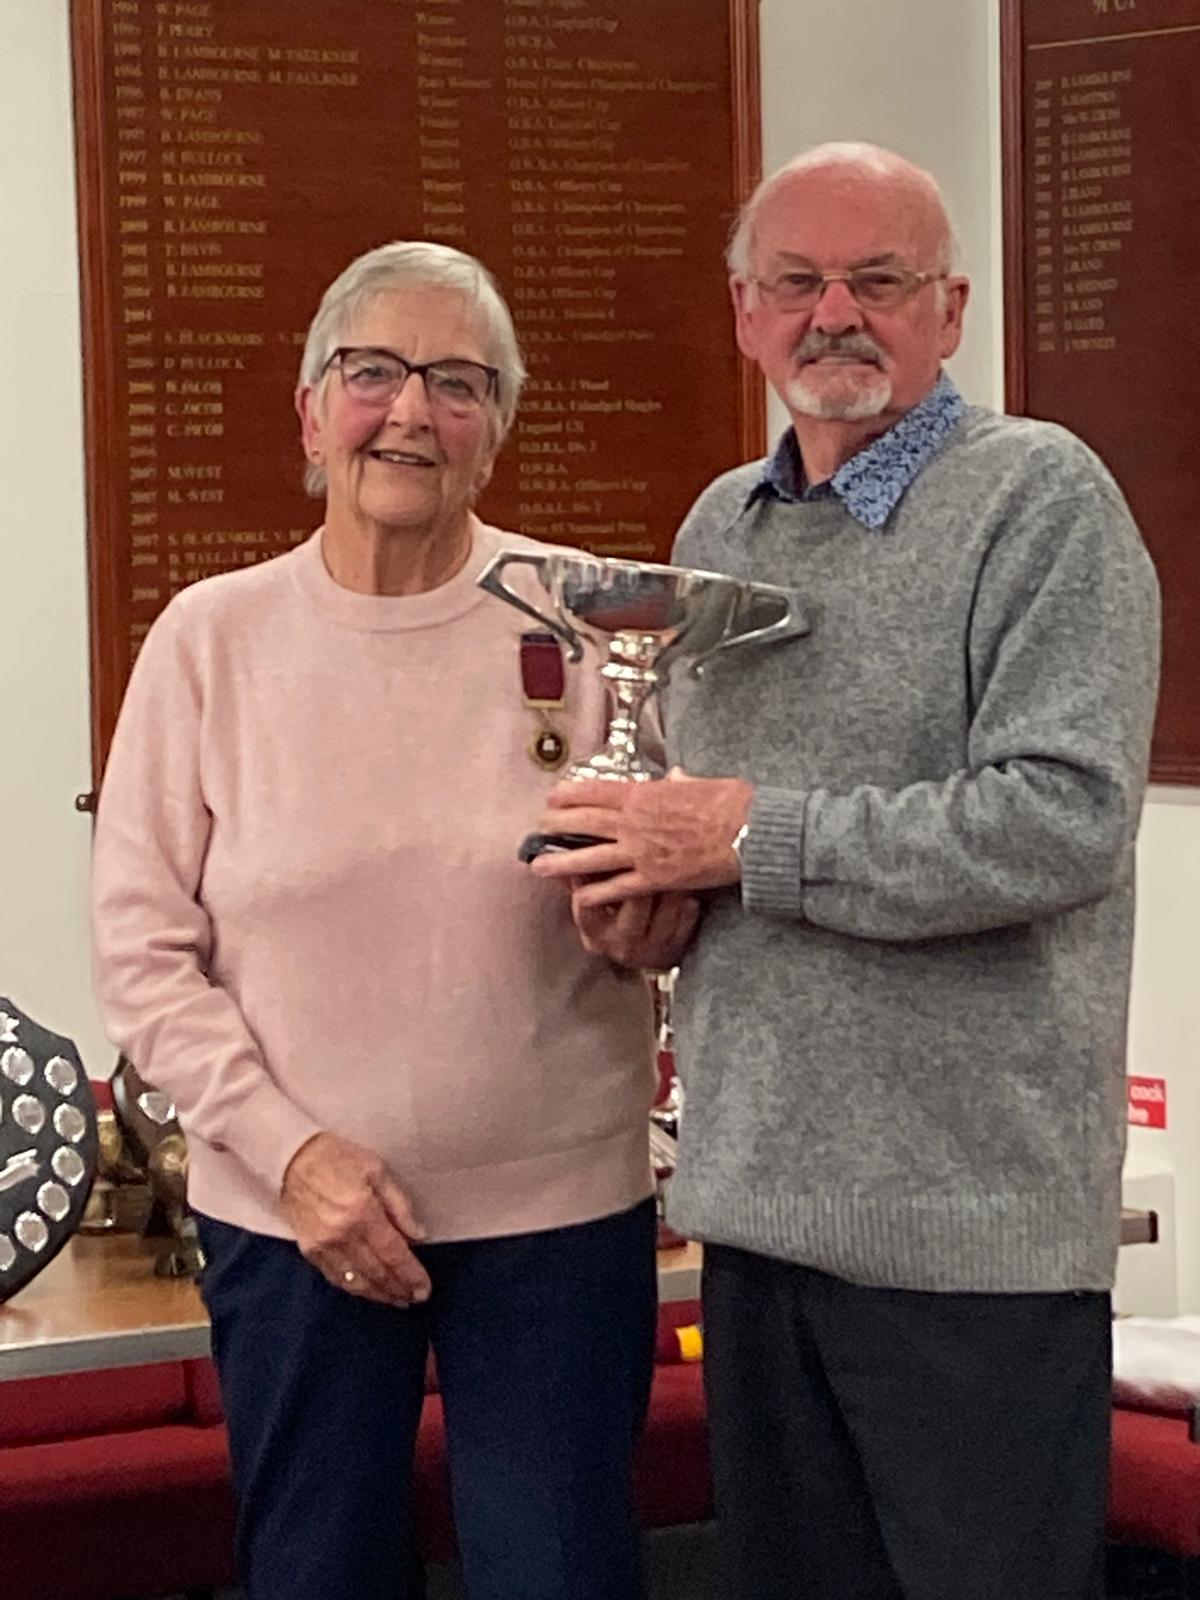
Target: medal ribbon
{"type": "Point", "coordinates": [543, 675]}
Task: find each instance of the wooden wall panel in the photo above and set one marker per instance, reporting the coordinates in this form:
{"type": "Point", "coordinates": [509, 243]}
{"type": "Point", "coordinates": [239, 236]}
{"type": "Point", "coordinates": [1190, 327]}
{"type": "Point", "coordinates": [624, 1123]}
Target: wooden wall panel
{"type": "Point", "coordinates": [1101, 127]}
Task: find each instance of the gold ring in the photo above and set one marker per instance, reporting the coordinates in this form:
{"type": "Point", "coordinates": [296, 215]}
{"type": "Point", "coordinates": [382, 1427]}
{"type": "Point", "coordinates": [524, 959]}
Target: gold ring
{"type": "Point", "coordinates": [349, 1276]}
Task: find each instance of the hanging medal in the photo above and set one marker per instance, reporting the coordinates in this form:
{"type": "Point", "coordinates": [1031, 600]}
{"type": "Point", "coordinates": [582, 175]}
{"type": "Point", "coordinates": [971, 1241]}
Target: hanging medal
{"type": "Point", "coordinates": [543, 684]}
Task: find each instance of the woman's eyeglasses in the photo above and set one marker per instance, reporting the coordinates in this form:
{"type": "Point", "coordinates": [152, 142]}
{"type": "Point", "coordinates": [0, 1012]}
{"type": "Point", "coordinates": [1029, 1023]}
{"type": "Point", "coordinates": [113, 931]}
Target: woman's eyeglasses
{"type": "Point", "coordinates": [376, 377]}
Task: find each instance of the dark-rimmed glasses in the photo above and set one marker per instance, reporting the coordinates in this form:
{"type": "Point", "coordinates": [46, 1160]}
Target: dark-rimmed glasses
{"type": "Point", "coordinates": [376, 377]}
{"type": "Point", "coordinates": [876, 288]}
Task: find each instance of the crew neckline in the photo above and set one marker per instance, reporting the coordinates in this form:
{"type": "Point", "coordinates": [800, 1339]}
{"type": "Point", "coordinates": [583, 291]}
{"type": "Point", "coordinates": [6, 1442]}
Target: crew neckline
{"type": "Point", "coordinates": [387, 613]}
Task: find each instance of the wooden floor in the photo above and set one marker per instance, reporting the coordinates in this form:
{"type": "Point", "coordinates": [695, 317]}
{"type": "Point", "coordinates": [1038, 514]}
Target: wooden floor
{"type": "Point", "coordinates": [681, 1564]}
{"type": "Point", "coordinates": [1151, 1575]}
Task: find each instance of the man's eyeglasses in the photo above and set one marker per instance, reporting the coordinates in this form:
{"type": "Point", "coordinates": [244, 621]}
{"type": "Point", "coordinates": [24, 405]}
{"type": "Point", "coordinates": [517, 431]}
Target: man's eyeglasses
{"type": "Point", "coordinates": [876, 288]}
{"type": "Point", "coordinates": [376, 377]}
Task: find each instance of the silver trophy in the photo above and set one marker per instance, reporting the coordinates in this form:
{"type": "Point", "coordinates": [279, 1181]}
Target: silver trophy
{"type": "Point", "coordinates": [642, 619]}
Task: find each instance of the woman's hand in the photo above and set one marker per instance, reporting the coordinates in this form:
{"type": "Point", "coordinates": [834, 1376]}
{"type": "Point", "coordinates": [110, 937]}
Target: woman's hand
{"type": "Point", "coordinates": [649, 932]}
{"type": "Point", "coordinates": [353, 1222]}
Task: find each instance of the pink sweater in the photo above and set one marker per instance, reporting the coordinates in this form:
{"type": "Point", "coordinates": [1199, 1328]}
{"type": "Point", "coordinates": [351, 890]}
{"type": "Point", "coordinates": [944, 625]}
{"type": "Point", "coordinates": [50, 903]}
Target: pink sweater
{"type": "Point", "coordinates": [309, 913]}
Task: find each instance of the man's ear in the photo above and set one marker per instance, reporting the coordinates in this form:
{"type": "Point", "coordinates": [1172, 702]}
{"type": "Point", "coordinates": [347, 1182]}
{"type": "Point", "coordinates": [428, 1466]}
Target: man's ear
{"type": "Point", "coordinates": [745, 302]}
{"type": "Point", "coordinates": [957, 292]}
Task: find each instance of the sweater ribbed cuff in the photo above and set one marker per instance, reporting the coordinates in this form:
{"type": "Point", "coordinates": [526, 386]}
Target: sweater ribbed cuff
{"type": "Point", "coordinates": [773, 853]}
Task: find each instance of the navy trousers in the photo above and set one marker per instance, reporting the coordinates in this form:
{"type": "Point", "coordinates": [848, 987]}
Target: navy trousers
{"type": "Point", "coordinates": [544, 1345]}
{"type": "Point", "coordinates": [887, 1444]}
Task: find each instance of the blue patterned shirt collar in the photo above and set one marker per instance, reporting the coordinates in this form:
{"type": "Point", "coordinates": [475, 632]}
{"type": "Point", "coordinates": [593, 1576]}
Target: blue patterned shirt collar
{"type": "Point", "coordinates": [872, 482]}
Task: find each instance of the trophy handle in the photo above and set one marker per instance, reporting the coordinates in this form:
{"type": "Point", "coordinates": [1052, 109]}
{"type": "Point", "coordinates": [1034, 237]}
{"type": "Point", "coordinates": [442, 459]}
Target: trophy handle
{"type": "Point", "coordinates": [491, 580]}
{"type": "Point", "coordinates": [792, 625]}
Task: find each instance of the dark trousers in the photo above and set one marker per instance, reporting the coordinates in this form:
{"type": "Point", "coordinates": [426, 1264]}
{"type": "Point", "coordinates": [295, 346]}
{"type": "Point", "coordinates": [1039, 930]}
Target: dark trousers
{"type": "Point", "coordinates": [544, 1345]}
{"type": "Point", "coordinates": [882, 1444]}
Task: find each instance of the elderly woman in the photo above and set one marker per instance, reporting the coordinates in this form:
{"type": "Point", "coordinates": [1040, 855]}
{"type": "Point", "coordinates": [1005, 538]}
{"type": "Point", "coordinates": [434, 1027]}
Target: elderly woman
{"type": "Point", "coordinates": [416, 1109]}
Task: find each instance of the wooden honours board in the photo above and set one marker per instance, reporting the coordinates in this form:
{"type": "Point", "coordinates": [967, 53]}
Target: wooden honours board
{"type": "Point", "coordinates": [235, 155]}
{"type": "Point", "coordinates": [1102, 240]}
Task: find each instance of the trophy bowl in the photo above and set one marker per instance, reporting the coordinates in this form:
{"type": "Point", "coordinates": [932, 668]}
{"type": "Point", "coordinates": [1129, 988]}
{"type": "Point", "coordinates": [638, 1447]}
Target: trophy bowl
{"type": "Point", "coordinates": [642, 618]}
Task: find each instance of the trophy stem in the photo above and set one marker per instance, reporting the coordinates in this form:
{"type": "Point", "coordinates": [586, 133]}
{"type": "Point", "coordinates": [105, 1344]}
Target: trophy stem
{"type": "Point", "coordinates": [631, 678]}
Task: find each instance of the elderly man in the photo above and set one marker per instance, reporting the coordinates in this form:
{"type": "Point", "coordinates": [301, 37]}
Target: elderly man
{"type": "Point", "coordinates": [901, 1016]}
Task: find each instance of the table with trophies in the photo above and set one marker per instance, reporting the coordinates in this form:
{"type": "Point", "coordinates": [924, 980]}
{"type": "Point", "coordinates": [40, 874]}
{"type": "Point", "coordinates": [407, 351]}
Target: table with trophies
{"type": "Point", "coordinates": [99, 1269]}
{"type": "Point", "coordinates": [99, 1305]}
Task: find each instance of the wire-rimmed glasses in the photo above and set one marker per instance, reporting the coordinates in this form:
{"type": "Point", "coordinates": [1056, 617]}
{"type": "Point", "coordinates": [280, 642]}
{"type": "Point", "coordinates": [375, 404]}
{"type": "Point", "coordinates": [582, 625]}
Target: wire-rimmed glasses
{"type": "Point", "coordinates": [875, 288]}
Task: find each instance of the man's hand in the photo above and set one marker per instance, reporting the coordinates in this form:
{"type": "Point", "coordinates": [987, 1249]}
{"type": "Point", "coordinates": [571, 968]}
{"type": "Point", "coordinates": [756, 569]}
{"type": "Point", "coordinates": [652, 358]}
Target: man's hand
{"type": "Point", "coordinates": [353, 1221]}
{"type": "Point", "coordinates": [649, 933]}
{"type": "Point", "coordinates": [673, 835]}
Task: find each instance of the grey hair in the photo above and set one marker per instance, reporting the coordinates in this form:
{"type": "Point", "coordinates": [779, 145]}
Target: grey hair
{"type": "Point", "coordinates": [416, 264]}
{"type": "Point", "coordinates": [870, 157]}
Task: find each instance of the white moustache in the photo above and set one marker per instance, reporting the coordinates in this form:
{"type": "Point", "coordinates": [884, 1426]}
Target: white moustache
{"type": "Point", "coordinates": [816, 346]}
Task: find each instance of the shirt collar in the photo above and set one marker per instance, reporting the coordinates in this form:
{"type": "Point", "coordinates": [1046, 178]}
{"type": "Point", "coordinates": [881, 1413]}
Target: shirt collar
{"type": "Point", "coordinates": [872, 482]}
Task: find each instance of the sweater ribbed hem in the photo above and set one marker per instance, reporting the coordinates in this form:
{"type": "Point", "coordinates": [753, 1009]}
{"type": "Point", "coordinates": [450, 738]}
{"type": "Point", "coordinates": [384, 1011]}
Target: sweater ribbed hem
{"type": "Point", "coordinates": [953, 1244]}
{"type": "Point", "coordinates": [774, 850]}
{"type": "Point", "coordinates": [553, 1189]}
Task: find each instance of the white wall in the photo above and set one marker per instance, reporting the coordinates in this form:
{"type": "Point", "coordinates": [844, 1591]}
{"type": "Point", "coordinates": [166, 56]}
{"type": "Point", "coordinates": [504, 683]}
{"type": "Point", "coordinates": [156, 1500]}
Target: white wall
{"type": "Point", "coordinates": [1165, 1043]}
{"type": "Point", "coordinates": [44, 738]}
{"type": "Point", "coordinates": [919, 75]}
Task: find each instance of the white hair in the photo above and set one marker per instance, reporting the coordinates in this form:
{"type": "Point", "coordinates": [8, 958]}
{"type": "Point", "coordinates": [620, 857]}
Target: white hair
{"type": "Point", "coordinates": [417, 264]}
{"type": "Point", "coordinates": [844, 153]}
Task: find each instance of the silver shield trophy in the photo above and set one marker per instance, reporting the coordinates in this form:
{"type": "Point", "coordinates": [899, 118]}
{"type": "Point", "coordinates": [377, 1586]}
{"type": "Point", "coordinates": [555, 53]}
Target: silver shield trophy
{"type": "Point", "coordinates": [642, 619]}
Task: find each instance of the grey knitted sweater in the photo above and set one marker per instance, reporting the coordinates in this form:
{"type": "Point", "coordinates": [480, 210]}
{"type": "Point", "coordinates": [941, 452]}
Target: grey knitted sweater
{"type": "Point", "coordinates": [903, 1042]}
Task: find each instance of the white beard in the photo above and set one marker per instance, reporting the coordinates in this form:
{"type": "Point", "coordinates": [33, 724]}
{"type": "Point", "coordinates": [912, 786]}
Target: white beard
{"type": "Point", "coordinates": [836, 396]}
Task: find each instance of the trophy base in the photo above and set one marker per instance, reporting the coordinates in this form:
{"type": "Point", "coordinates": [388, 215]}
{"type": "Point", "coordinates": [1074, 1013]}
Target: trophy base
{"type": "Point", "coordinates": [541, 844]}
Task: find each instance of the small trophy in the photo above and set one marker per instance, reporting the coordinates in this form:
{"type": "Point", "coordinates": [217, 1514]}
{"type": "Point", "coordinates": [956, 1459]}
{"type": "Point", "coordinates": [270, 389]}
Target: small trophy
{"type": "Point", "coordinates": [141, 1184]}
{"type": "Point", "coordinates": [642, 618]}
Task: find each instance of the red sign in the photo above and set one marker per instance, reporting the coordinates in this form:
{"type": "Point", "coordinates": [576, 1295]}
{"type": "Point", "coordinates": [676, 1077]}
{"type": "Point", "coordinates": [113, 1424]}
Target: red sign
{"type": "Point", "coordinates": [1147, 1102]}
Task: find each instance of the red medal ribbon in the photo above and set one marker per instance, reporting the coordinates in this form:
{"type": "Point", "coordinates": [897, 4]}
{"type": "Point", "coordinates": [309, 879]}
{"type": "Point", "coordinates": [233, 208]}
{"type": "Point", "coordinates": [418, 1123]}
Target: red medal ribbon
{"type": "Point", "coordinates": [543, 675]}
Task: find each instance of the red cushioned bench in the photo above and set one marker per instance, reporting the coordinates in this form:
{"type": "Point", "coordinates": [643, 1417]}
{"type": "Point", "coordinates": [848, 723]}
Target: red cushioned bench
{"type": "Point", "coordinates": [1154, 1498]}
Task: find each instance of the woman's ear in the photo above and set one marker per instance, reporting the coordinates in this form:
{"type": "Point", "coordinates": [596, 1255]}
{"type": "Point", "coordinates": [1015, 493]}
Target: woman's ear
{"type": "Point", "coordinates": [483, 475]}
{"type": "Point", "coordinates": [308, 409]}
